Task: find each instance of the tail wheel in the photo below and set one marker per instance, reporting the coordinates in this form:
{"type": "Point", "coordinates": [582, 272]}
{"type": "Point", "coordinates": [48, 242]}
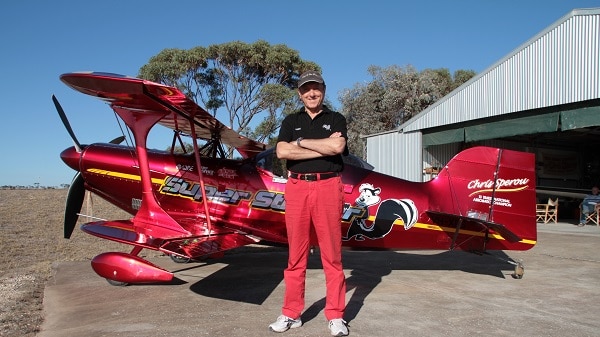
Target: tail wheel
{"type": "Point", "coordinates": [519, 271]}
{"type": "Point", "coordinates": [179, 258]}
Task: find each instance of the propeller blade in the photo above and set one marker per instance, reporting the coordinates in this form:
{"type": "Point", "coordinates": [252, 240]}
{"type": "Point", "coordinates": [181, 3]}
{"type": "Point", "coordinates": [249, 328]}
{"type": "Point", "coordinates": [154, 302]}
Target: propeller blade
{"type": "Point", "coordinates": [74, 203]}
{"type": "Point", "coordinates": [63, 118]}
{"type": "Point", "coordinates": [118, 140]}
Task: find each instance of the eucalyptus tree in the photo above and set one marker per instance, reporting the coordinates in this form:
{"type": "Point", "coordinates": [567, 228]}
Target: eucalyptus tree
{"type": "Point", "coordinates": [394, 95]}
{"type": "Point", "coordinates": [252, 84]}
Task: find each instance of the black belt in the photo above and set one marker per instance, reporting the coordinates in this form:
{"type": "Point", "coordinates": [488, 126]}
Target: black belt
{"type": "Point", "coordinates": [314, 176]}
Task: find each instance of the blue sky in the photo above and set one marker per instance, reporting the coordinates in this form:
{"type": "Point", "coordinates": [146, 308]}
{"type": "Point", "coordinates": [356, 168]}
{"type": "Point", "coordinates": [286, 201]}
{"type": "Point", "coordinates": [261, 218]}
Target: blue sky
{"type": "Point", "coordinates": [43, 39]}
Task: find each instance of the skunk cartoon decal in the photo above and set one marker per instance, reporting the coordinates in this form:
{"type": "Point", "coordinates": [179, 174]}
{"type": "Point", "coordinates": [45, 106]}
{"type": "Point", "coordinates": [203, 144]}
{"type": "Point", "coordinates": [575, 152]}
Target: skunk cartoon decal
{"type": "Point", "coordinates": [389, 212]}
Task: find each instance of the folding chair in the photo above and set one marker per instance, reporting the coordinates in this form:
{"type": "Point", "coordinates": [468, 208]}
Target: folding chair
{"type": "Point", "coordinates": [552, 211]}
{"type": "Point", "coordinates": [547, 212]}
{"type": "Point", "coordinates": [540, 212]}
{"type": "Point", "coordinates": [594, 216]}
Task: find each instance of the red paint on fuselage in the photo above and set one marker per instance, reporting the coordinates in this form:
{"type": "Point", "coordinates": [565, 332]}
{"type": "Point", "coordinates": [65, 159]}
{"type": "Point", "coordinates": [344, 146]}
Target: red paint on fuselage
{"type": "Point", "coordinates": [248, 198]}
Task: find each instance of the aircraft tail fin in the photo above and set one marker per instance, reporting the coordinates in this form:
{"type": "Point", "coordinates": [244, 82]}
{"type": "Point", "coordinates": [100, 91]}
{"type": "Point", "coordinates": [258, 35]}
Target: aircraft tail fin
{"type": "Point", "coordinates": [489, 188]}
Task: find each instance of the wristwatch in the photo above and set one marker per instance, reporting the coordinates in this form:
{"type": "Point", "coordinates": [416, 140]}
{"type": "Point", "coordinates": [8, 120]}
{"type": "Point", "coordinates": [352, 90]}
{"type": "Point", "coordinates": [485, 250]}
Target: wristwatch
{"type": "Point", "coordinates": [298, 141]}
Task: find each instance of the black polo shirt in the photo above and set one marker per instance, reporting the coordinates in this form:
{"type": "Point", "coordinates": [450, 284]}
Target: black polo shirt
{"type": "Point", "coordinates": [299, 124]}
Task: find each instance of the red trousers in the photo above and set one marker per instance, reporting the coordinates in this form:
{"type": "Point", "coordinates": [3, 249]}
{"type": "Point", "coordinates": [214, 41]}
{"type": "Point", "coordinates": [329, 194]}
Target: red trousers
{"type": "Point", "coordinates": [317, 204]}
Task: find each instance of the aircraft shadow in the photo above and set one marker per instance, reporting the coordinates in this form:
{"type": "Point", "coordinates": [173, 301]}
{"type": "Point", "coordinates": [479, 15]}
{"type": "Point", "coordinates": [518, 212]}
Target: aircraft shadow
{"type": "Point", "coordinates": [248, 277]}
{"type": "Point", "coordinates": [251, 276]}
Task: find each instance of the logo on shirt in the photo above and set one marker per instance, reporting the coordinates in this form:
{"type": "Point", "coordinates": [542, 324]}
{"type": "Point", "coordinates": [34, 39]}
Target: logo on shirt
{"type": "Point", "coordinates": [327, 127]}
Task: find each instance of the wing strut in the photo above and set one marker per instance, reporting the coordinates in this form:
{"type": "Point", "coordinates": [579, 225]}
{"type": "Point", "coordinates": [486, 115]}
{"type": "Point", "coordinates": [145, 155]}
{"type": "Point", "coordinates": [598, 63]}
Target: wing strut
{"type": "Point", "coordinates": [456, 232]}
{"type": "Point", "coordinates": [200, 176]}
{"type": "Point", "coordinates": [177, 139]}
{"type": "Point", "coordinates": [150, 212]}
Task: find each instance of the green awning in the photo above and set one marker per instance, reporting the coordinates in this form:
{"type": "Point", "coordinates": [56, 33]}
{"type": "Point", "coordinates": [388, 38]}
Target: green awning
{"type": "Point", "coordinates": [570, 119]}
{"type": "Point", "coordinates": [580, 118]}
{"type": "Point", "coordinates": [512, 127]}
{"type": "Point", "coordinates": [444, 137]}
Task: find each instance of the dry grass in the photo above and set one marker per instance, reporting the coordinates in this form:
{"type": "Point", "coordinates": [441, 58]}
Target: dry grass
{"type": "Point", "coordinates": [31, 236]}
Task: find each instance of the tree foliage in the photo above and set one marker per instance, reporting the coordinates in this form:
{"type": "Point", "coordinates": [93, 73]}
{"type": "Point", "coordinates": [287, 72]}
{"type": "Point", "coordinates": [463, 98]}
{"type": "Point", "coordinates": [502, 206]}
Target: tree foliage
{"type": "Point", "coordinates": [243, 81]}
{"type": "Point", "coordinates": [394, 95]}
{"type": "Point", "coordinates": [251, 87]}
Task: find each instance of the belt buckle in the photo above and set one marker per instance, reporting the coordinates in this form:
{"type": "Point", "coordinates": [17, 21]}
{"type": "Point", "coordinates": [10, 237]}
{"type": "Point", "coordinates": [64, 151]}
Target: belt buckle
{"type": "Point", "coordinates": [310, 177]}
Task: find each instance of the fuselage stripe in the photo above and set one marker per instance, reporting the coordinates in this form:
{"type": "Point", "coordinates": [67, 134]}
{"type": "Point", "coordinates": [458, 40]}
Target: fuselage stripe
{"type": "Point", "coordinates": [133, 177]}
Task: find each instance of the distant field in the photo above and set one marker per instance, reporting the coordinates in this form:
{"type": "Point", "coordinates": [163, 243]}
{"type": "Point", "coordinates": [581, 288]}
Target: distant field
{"type": "Point", "coordinates": [31, 236]}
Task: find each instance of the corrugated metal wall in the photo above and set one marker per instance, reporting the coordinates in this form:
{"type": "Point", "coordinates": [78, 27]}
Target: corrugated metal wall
{"type": "Point", "coordinates": [559, 65]}
{"type": "Point", "coordinates": [438, 156]}
{"type": "Point", "coordinates": [397, 154]}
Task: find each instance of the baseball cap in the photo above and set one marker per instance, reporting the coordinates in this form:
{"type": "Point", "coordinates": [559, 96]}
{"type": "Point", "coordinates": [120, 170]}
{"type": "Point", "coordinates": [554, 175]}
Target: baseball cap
{"type": "Point", "coordinates": [310, 76]}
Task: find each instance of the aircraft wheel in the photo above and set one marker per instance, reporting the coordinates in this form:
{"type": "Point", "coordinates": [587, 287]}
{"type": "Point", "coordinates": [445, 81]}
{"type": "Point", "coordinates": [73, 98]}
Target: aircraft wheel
{"type": "Point", "coordinates": [519, 271]}
{"type": "Point", "coordinates": [179, 259]}
{"type": "Point", "coordinates": [116, 283]}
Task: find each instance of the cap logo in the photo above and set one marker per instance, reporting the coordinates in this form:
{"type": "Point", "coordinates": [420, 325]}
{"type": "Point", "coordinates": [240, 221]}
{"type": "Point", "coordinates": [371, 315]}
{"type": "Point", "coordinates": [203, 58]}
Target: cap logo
{"type": "Point", "coordinates": [310, 76]}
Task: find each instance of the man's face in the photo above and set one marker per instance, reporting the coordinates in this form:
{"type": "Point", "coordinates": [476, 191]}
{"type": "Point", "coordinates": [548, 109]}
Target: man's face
{"type": "Point", "coordinates": [595, 190]}
{"type": "Point", "coordinates": [312, 95]}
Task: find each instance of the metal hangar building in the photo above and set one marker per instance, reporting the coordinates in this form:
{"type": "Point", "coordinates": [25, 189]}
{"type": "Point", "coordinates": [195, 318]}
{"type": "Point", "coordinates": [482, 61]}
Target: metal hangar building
{"type": "Point", "coordinates": [543, 97]}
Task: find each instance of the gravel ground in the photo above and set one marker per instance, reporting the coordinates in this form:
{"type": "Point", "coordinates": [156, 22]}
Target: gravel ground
{"type": "Point", "coordinates": [31, 236]}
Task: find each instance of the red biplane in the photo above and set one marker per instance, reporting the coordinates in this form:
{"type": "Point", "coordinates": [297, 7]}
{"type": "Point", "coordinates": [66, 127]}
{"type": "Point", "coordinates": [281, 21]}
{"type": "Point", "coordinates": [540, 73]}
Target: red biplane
{"type": "Point", "coordinates": [201, 203]}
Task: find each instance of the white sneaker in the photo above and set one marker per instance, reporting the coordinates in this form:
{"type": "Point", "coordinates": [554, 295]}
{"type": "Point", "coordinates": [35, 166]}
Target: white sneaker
{"type": "Point", "coordinates": [284, 323]}
{"type": "Point", "coordinates": [338, 327]}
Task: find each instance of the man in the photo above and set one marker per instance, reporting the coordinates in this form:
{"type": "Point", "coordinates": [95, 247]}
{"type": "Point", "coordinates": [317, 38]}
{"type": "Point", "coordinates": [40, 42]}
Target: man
{"type": "Point", "coordinates": [588, 205]}
{"type": "Point", "coordinates": [312, 140]}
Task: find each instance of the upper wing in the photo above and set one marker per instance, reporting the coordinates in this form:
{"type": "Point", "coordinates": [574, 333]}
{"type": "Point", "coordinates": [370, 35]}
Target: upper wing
{"type": "Point", "coordinates": [141, 95]}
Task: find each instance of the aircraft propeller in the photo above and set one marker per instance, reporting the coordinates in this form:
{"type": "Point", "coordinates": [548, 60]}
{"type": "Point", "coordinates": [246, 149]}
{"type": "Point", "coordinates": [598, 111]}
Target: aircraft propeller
{"type": "Point", "coordinates": [76, 192]}
{"type": "Point", "coordinates": [75, 198]}
{"type": "Point", "coordinates": [63, 118]}
{"type": "Point", "coordinates": [74, 203]}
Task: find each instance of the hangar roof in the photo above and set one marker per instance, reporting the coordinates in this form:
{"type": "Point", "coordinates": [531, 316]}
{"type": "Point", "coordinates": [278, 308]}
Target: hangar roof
{"type": "Point", "coordinates": [554, 71]}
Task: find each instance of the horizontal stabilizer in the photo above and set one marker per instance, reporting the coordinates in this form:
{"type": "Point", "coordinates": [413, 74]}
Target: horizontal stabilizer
{"type": "Point", "coordinates": [460, 220]}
